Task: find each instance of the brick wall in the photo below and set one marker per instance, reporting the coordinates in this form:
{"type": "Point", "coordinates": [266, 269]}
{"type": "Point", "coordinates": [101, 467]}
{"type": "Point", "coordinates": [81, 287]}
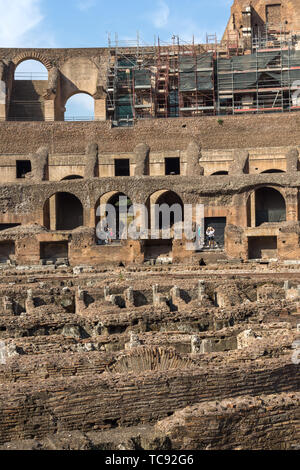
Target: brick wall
{"type": "Point", "coordinates": [105, 401]}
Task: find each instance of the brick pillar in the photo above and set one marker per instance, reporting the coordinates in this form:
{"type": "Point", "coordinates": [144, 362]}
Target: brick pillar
{"type": "Point", "coordinates": [291, 200]}
{"type": "Point", "coordinates": [253, 209]}
{"type": "Point", "coordinates": [100, 110]}
{"type": "Point", "coordinates": [88, 219]}
{"type": "Point", "coordinates": [49, 110]}
{"type": "Point", "coordinates": [2, 101]}
{"type": "Point", "coordinates": [52, 209]}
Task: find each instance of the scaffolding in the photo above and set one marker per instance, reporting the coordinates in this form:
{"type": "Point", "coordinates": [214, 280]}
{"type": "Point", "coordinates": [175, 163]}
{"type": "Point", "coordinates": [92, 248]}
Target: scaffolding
{"type": "Point", "coordinates": [163, 81]}
{"type": "Point", "coordinates": [263, 81]}
{"type": "Point", "coordinates": [129, 83]}
{"type": "Point", "coordinates": [187, 80]}
{"type": "Point", "coordinates": [195, 82]}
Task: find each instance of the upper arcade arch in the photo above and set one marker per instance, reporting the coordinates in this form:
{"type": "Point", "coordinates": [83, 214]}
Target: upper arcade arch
{"type": "Point", "coordinates": [220, 173]}
{"type": "Point", "coordinates": [62, 211]}
{"type": "Point", "coordinates": [30, 69]}
{"type": "Point", "coordinates": [32, 56]}
{"type": "Point", "coordinates": [79, 106]}
{"type": "Point", "coordinates": [266, 204]}
{"type": "Point", "coordinates": [273, 170]}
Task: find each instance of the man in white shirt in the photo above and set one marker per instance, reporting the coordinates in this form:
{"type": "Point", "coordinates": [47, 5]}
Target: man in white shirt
{"type": "Point", "coordinates": [210, 233]}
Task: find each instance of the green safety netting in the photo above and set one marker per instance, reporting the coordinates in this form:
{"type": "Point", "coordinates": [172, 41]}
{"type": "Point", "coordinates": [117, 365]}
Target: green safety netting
{"type": "Point", "coordinates": [142, 77]}
{"type": "Point", "coordinates": [124, 107]}
{"type": "Point", "coordinates": [253, 78]}
{"type": "Point", "coordinates": [123, 76]}
{"type": "Point", "coordinates": [291, 58]}
{"type": "Point", "coordinates": [127, 62]}
{"type": "Point", "coordinates": [192, 81]}
{"type": "Point", "coordinates": [124, 112]}
{"type": "Point", "coordinates": [195, 63]}
{"type": "Point", "coordinates": [248, 62]}
{"type": "Point", "coordinates": [194, 74]}
{"type": "Point", "coordinates": [243, 81]}
{"type": "Point", "coordinates": [173, 103]}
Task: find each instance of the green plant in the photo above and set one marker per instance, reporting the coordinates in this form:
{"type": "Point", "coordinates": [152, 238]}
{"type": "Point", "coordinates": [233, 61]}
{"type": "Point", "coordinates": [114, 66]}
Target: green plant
{"type": "Point", "coordinates": [220, 122]}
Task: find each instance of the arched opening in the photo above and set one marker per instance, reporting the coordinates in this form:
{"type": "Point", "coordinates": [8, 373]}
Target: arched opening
{"type": "Point", "coordinates": [31, 70]}
{"type": "Point", "coordinates": [170, 212]}
{"type": "Point", "coordinates": [273, 171]}
{"type": "Point", "coordinates": [27, 96]}
{"type": "Point", "coordinates": [63, 211]}
{"type": "Point", "coordinates": [217, 173]}
{"type": "Point", "coordinates": [269, 206]}
{"type": "Point", "coordinates": [171, 199]}
{"type": "Point", "coordinates": [114, 218]}
{"type": "Point", "coordinates": [80, 107]}
{"type": "Point", "coordinates": [72, 177]}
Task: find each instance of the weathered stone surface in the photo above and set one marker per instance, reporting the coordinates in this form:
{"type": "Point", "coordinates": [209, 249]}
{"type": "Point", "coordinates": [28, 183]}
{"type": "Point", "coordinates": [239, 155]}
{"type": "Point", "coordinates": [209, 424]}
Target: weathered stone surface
{"type": "Point", "coordinates": [91, 160]}
{"type": "Point", "coordinates": [39, 165]}
{"type": "Point", "coordinates": [193, 156]}
{"type": "Point", "coordinates": [141, 153]}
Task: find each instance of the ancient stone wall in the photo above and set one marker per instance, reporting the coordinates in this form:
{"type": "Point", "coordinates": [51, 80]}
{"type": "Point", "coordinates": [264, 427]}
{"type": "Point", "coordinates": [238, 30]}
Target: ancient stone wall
{"type": "Point", "coordinates": [276, 130]}
{"type": "Point", "coordinates": [249, 424]}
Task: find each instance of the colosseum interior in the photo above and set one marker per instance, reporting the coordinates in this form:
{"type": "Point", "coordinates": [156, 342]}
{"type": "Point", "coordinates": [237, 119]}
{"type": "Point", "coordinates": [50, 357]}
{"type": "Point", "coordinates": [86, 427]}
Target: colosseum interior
{"type": "Point", "coordinates": [139, 343]}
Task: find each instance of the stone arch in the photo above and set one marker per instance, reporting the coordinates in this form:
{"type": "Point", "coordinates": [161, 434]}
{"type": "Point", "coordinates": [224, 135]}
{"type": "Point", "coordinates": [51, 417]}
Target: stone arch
{"type": "Point", "coordinates": [273, 170]}
{"type": "Point", "coordinates": [219, 173]}
{"type": "Point", "coordinates": [62, 210]}
{"type": "Point", "coordinates": [72, 177]}
{"type": "Point", "coordinates": [31, 70]}
{"type": "Point", "coordinates": [163, 196]}
{"type": "Point", "coordinates": [27, 100]}
{"type": "Point", "coordinates": [116, 223]}
{"type": "Point", "coordinates": [32, 56]}
{"type": "Point", "coordinates": [144, 359]}
{"type": "Point", "coordinates": [77, 93]}
{"type": "Point", "coordinates": [269, 204]}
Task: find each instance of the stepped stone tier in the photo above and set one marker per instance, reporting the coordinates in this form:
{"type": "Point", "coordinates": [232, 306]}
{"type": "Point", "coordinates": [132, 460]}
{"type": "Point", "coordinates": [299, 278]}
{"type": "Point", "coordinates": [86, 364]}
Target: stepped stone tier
{"type": "Point", "coordinates": [153, 343]}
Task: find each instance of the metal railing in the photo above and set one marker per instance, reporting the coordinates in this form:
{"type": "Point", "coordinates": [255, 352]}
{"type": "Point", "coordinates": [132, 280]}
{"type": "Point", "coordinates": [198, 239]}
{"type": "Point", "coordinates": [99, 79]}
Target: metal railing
{"type": "Point", "coordinates": [31, 76]}
{"type": "Point", "coordinates": [79, 118]}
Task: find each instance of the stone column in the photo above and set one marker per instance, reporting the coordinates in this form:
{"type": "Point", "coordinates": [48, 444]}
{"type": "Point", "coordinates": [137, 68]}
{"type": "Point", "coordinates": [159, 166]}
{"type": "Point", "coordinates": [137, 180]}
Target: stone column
{"type": "Point", "coordinates": [129, 297]}
{"type": "Point", "coordinates": [29, 302]}
{"type": "Point", "coordinates": [80, 304]}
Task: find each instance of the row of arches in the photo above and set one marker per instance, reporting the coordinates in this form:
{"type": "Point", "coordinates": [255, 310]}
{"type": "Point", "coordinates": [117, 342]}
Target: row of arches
{"type": "Point", "coordinates": [64, 210]}
{"type": "Point", "coordinates": [272, 170]}
{"type": "Point", "coordinates": [78, 106]}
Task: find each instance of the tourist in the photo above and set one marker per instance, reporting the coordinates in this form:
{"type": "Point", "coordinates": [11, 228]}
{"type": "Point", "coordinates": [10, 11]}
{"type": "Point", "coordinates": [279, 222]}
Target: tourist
{"type": "Point", "coordinates": [210, 233]}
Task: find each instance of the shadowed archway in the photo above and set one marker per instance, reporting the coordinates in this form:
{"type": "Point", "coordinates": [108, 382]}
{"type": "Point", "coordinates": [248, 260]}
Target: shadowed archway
{"type": "Point", "coordinates": [63, 211]}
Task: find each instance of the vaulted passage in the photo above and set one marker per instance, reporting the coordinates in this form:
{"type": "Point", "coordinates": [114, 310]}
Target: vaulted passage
{"type": "Point", "coordinates": [69, 212]}
{"type": "Point", "coordinates": [269, 206]}
{"type": "Point", "coordinates": [7, 250]}
{"type": "Point", "coordinates": [172, 200]}
{"type": "Point", "coordinates": [63, 211]}
{"type": "Point", "coordinates": [29, 86]}
{"type": "Point", "coordinates": [262, 247]}
{"type": "Point", "coordinates": [220, 173]}
{"type": "Point", "coordinates": [53, 250]}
